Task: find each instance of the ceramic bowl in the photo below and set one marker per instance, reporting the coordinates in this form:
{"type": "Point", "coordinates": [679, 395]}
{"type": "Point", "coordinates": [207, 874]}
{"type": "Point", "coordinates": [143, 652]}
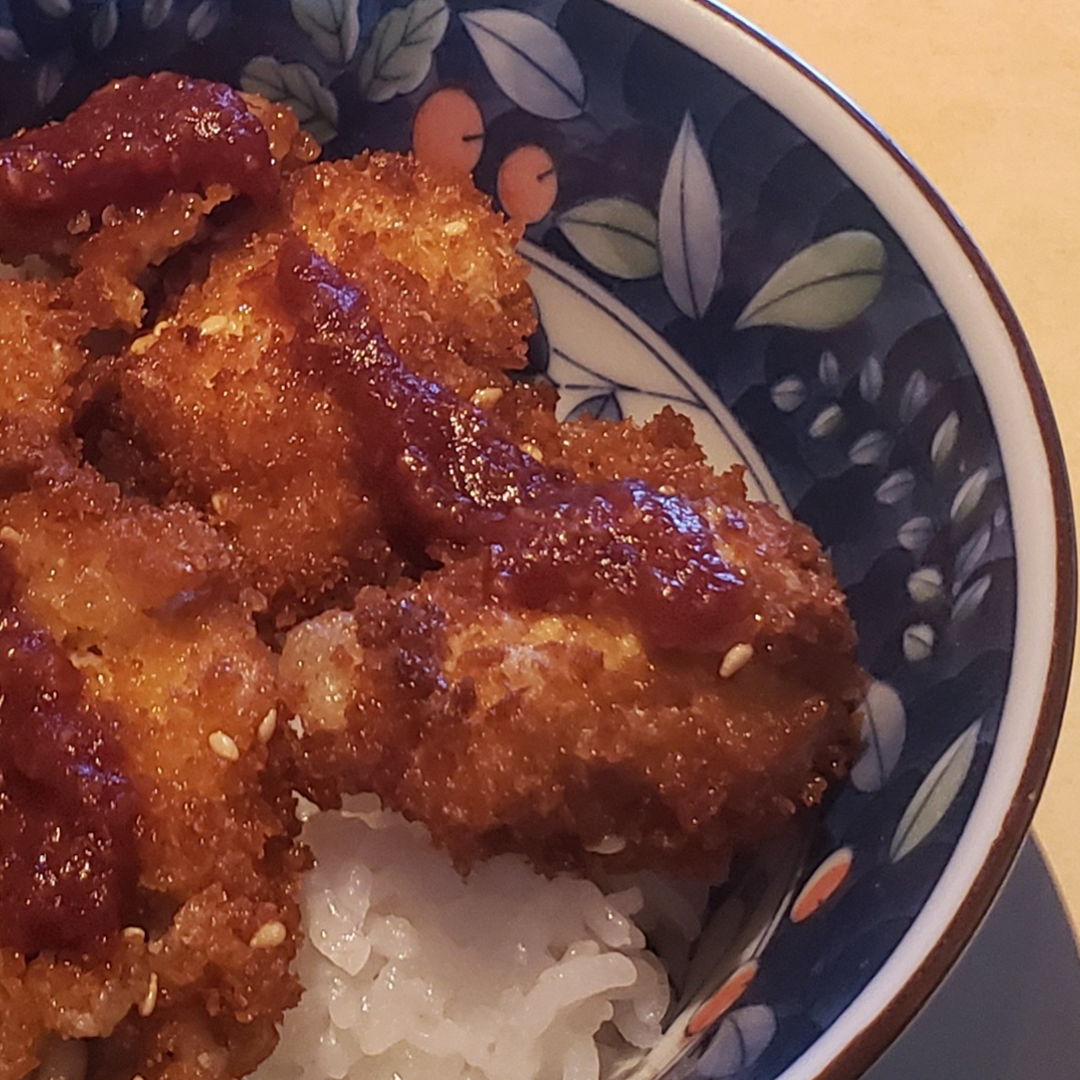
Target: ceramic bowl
{"type": "Point", "coordinates": [712, 226]}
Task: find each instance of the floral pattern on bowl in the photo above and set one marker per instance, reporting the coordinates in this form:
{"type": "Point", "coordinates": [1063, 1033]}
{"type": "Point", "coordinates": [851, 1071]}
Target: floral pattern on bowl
{"type": "Point", "coordinates": [691, 247]}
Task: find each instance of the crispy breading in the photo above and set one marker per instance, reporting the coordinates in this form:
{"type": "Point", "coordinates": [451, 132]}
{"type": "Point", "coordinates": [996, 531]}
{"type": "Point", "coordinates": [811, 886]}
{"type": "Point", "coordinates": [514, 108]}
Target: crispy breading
{"type": "Point", "coordinates": [117, 257]}
{"type": "Point", "coordinates": [204, 529]}
{"type": "Point", "coordinates": [210, 401]}
{"type": "Point", "coordinates": [145, 603]}
{"type": "Point", "coordinates": [565, 736]}
{"type": "Point", "coordinates": [132, 143]}
{"type": "Point", "coordinates": [108, 286]}
{"type": "Point", "coordinates": [678, 688]}
{"type": "Point", "coordinates": [39, 356]}
{"type": "Point", "coordinates": [435, 226]}
{"type": "Point", "coordinates": [208, 409]}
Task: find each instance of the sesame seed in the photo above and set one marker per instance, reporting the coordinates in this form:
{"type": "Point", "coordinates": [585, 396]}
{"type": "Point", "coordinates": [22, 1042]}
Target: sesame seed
{"type": "Point", "coordinates": [735, 659]}
{"type": "Point", "coordinates": [533, 451]}
{"type": "Point", "coordinates": [609, 845]}
{"type": "Point", "coordinates": [133, 933]}
{"type": "Point", "coordinates": [267, 726]}
{"type": "Point", "coordinates": [149, 1003]}
{"type": "Point", "coordinates": [269, 936]}
{"type": "Point", "coordinates": [487, 396]}
{"type": "Point", "coordinates": [224, 746]}
{"type": "Point", "coordinates": [213, 324]}
{"type": "Point", "coordinates": [10, 536]}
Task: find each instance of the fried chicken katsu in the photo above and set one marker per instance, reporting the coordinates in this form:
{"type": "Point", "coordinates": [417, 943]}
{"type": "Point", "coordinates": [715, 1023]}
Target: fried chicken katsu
{"type": "Point", "coordinates": [138, 608]}
{"type": "Point", "coordinates": [275, 519]}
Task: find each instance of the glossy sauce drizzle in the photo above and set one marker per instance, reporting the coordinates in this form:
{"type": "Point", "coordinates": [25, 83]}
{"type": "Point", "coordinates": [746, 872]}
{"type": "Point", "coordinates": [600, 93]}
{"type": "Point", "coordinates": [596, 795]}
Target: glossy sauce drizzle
{"type": "Point", "coordinates": [127, 145]}
{"type": "Point", "coordinates": [443, 472]}
{"type": "Point", "coordinates": [68, 867]}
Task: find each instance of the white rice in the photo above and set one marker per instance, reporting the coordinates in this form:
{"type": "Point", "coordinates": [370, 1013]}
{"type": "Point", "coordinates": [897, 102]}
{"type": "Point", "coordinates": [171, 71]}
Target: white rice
{"type": "Point", "coordinates": [413, 973]}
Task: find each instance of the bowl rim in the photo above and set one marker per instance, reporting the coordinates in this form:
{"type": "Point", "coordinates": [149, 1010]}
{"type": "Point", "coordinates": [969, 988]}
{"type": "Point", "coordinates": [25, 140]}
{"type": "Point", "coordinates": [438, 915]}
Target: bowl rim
{"type": "Point", "coordinates": [907, 996]}
{"type": "Point", "coordinates": [910, 994]}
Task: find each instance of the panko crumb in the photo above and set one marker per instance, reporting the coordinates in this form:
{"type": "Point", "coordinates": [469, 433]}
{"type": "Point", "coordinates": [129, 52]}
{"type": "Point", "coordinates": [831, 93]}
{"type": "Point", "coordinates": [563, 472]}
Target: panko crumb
{"type": "Point", "coordinates": [196, 529]}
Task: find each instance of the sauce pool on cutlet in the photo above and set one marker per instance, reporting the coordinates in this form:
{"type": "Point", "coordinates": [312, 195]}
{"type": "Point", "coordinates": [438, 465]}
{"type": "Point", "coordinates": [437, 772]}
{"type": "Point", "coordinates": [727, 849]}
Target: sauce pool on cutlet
{"type": "Point", "coordinates": [68, 867]}
{"type": "Point", "coordinates": [444, 472]}
{"type": "Point", "coordinates": [127, 145]}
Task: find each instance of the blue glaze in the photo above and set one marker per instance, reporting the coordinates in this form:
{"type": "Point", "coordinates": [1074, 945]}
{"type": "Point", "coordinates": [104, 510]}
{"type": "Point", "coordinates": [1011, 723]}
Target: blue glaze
{"type": "Point", "coordinates": [853, 388]}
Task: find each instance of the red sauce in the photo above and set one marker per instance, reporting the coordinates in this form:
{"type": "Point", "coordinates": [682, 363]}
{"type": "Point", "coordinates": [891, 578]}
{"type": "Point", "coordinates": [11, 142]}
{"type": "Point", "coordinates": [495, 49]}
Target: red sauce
{"type": "Point", "coordinates": [443, 472]}
{"type": "Point", "coordinates": [127, 145]}
{"type": "Point", "coordinates": [68, 867]}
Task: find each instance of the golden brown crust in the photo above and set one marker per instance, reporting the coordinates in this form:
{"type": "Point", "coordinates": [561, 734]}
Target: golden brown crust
{"type": "Point", "coordinates": [565, 736]}
{"type": "Point", "coordinates": [208, 408]}
{"type": "Point", "coordinates": [39, 357]}
{"type": "Point", "coordinates": [145, 602]}
{"type": "Point", "coordinates": [179, 501]}
{"type": "Point", "coordinates": [434, 226]}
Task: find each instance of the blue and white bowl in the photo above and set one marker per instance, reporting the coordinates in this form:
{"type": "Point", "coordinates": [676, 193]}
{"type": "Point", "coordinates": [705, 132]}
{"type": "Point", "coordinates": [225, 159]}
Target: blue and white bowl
{"type": "Point", "coordinates": [714, 226]}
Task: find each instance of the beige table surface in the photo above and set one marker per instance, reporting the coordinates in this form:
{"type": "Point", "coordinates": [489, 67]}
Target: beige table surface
{"type": "Point", "coordinates": [984, 95]}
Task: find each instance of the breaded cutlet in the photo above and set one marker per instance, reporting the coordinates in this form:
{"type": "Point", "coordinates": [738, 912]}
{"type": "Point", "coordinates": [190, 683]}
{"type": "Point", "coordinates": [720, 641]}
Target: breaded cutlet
{"type": "Point", "coordinates": [258, 549]}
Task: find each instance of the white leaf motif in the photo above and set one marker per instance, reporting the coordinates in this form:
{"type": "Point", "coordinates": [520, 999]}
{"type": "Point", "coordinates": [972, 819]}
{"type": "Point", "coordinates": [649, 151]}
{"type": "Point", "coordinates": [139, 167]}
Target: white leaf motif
{"type": "Point", "coordinates": [58, 9]}
{"type": "Point", "coordinates": [970, 493]}
{"type": "Point", "coordinates": [944, 439]}
{"type": "Point", "coordinates": [398, 56]}
{"type": "Point", "coordinates": [935, 795]}
{"type": "Point", "coordinates": [103, 28]}
{"type": "Point", "coordinates": [884, 729]}
{"type": "Point", "coordinates": [970, 555]}
{"type": "Point", "coordinates": [925, 584]}
{"type": "Point", "coordinates": [823, 287]}
{"type": "Point", "coordinates": [49, 80]}
{"type": "Point", "coordinates": [617, 236]}
{"type": "Point", "coordinates": [829, 370]}
{"type": "Point", "coordinates": [690, 226]}
{"type": "Point", "coordinates": [529, 61]}
{"type": "Point", "coordinates": [789, 393]}
{"type": "Point", "coordinates": [896, 487]}
{"type": "Point", "coordinates": [870, 448]}
{"type": "Point", "coordinates": [298, 87]}
{"type": "Point", "coordinates": [871, 379]}
{"type": "Point", "coordinates": [155, 12]}
{"type": "Point", "coordinates": [332, 25]}
{"type": "Point", "coordinates": [11, 46]}
{"type": "Point", "coordinates": [827, 422]}
{"type": "Point", "coordinates": [971, 598]}
{"type": "Point", "coordinates": [919, 642]}
{"type": "Point", "coordinates": [743, 1036]}
{"type": "Point", "coordinates": [203, 20]}
{"type": "Point", "coordinates": [915, 534]}
{"type": "Point", "coordinates": [916, 394]}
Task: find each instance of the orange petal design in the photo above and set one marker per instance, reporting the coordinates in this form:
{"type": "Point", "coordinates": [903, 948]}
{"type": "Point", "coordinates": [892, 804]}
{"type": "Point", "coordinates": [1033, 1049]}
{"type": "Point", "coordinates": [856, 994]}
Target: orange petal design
{"type": "Point", "coordinates": [824, 881]}
{"type": "Point", "coordinates": [448, 131]}
{"type": "Point", "coordinates": [724, 998]}
{"type": "Point", "coordinates": [528, 184]}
